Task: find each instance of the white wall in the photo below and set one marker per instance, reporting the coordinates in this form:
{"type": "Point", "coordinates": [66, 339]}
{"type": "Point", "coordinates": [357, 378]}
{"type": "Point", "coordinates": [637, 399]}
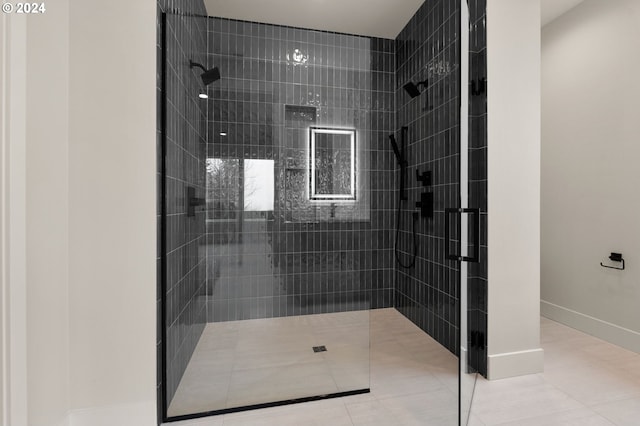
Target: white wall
{"type": "Point", "coordinates": [4, 205]}
{"type": "Point", "coordinates": [82, 177]}
{"type": "Point", "coordinates": [13, 219]}
{"type": "Point", "coordinates": [591, 148]}
{"type": "Point", "coordinates": [112, 205]}
{"type": "Point", "coordinates": [47, 214]}
{"type": "Point", "coordinates": [513, 78]}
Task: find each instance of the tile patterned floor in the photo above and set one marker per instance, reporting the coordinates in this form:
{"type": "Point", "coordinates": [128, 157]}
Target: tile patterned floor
{"type": "Point", "coordinates": [242, 363]}
{"type": "Point", "coordinates": [587, 382]}
{"type": "Point", "coordinates": [411, 376]}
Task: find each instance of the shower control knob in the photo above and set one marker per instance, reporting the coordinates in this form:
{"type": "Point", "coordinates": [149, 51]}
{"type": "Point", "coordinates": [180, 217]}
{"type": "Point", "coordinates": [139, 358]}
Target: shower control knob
{"type": "Point", "coordinates": [426, 204]}
{"type": "Point", "coordinates": [424, 177]}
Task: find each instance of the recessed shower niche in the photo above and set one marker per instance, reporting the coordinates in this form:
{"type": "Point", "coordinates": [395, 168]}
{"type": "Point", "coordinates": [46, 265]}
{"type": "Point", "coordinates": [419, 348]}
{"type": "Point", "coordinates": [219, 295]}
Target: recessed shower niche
{"type": "Point", "coordinates": [294, 196]}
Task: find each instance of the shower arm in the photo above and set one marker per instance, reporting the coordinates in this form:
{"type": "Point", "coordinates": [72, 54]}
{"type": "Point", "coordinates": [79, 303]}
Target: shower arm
{"type": "Point", "coordinates": [424, 83]}
{"type": "Point", "coordinates": [195, 64]}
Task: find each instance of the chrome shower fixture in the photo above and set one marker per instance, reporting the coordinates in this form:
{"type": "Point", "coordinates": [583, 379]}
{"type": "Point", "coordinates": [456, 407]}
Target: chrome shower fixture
{"type": "Point", "coordinates": [413, 88]}
{"type": "Point", "coordinates": [208, 75]}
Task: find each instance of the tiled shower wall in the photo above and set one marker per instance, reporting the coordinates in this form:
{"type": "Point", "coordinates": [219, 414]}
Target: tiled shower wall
{"type": "Point", "coordinates": [184, 159]}
{"type": "Point", "coordinates": [427, 48]}
{"type": "Point", "coordinates": [296, 256]}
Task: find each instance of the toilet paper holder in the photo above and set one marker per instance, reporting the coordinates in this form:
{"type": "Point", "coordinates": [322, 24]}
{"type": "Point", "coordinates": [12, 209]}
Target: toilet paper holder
{"type": "Point", "coordinates": [614, 257]}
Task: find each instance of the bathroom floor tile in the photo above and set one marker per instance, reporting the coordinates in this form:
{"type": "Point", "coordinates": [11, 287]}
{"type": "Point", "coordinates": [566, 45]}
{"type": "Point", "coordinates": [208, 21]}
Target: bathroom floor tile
{"type": "Point", "coordinates": [622, 413]}
{"type": "Point", "coordinates": [413, 380]}
{"type": "Point", "coordinates": [271, 360]}
{"type": "Point", "coordinates": [586, 381]}
{"type": "Point", "coordinates": [519, 398]}
{"type": "Point", "coordinates": [575, 417]}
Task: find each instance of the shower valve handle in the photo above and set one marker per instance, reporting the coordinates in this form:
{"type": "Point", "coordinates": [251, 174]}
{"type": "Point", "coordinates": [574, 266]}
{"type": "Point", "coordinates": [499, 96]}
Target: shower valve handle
{"type": "Point", "coordinates": [424, 177]}
{"type": "Point", "coordinates": [425, 204]}
{"type": "Point", "coordinates": [193, 201]}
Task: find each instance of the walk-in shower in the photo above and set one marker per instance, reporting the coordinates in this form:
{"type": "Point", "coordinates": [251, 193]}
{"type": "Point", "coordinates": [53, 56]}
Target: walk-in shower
{"type": "Point", "coordinates": [304, 191]}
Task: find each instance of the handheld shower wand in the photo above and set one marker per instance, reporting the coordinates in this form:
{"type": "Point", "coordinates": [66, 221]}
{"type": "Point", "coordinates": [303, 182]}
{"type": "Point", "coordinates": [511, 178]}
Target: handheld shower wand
{"type": "Point", "coordinates": [394, 145]}
{"type": "Point", "coordinates": [402, 162]}
{"type": "Point", "coordinates": [402, 196]}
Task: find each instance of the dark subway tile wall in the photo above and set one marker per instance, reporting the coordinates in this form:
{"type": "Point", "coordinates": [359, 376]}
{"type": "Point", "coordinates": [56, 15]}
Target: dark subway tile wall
{"type": "Point", "coordinates": [296, 256]}
{"type": "Point", "coordinates": [427, 49]}
{"type": "Point", "coordinates": [478, 278]}
{"type": "Point", "coordinates": [184, 154]}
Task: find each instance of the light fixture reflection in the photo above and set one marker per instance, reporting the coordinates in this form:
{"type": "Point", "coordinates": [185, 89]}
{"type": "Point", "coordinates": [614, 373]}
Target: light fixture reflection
{"type": "Point", "coordinates": [297, 57]}
{"type": "Point", "coordinates": [203, 96]}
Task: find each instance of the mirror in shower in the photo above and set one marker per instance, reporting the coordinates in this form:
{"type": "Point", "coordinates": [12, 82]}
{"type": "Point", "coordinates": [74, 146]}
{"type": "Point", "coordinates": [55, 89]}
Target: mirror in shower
{"type": "Point", "coordinates": [333, 163]}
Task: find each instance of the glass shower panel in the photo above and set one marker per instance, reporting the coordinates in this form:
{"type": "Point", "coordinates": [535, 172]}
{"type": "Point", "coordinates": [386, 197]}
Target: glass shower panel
{"type": "Point", "coordinates": [183, 186]}
{"type": "Point", "coordinates": [286, 284]}
{"type": "Point", "coordinates": [473, 359]}
{"type": "Point", "coordinates": [467, 374]}
{"type": "Point", "coordinates": [431, 291]}
{"type": "Point", "coordinates": [283, 282]}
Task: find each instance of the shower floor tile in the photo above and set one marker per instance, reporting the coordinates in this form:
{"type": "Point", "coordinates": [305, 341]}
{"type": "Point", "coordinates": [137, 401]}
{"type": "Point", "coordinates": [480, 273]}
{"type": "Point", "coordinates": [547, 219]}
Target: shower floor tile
{"type": "Point", "coordinates": [250, 362]}
{"type": "Point", "coordinates": [241, 363]}
{"type": "Point", "coordinates": [563, 395]}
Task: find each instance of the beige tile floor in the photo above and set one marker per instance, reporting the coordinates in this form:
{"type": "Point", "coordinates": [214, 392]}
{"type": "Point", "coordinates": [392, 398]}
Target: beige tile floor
{"type": "Point", "coordinates": [586, 382]}
{"type": "Point", "coordinates": [242, 363]}
{"type": "Point", "coordinates": [410, 374]}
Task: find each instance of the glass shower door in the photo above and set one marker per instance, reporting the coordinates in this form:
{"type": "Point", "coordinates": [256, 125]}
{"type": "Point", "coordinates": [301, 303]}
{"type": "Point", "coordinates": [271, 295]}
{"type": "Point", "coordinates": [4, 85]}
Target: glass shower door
{"type": "Point", "coordinates": [268, 275]}
{"type": "Point", "coordinates": [288, 276]}
{"type": "Point", "coordinates": [466, 374]}
{"type": "Point", "coordinates": [470, 216]}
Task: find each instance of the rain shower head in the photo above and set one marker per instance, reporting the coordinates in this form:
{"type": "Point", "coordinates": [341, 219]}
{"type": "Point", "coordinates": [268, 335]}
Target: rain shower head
{"type": "Point", "coordinates": [412, 89]}
{"type": "Point", "coordinates": [209, 75]}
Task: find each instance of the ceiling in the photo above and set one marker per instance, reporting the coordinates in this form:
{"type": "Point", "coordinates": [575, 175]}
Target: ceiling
{"type": "Point", "coordinates": [552, 9]}
{"type": "Point", "coordinates": [375, 18]}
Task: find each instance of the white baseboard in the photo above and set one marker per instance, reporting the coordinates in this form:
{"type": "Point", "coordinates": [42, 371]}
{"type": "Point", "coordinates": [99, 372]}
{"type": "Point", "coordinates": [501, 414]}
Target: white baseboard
{"type": "Point", "coordinates": [139, 414]}
{"type": "Point", "coordinates": [512, 364]}
{"type": "Point", "coordinates": [604, 330]}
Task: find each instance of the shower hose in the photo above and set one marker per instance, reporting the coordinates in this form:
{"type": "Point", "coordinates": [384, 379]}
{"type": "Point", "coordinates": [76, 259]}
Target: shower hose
{"type": "Point", "coordinates": [415, 237]}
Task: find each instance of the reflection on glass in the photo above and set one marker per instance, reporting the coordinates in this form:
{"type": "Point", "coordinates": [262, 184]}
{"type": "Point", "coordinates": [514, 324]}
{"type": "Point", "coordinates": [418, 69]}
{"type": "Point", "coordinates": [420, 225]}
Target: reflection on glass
{"type": "Point", "coordinates": [297, 57]}
{"type": "Point", "coordinates": [332, 164]}
{"type": "Point", "coordinates": [284, 273]}
{"type": "Point", "coordinates": [263, 272]}
{"type": "Point", "coordinates": [223, 188]}
{"type": "Point", "coordinates": [258, 185]}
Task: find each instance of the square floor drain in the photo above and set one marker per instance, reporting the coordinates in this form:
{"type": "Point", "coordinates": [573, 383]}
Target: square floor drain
{"type": "Point", "coordinates": [319, 349]}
